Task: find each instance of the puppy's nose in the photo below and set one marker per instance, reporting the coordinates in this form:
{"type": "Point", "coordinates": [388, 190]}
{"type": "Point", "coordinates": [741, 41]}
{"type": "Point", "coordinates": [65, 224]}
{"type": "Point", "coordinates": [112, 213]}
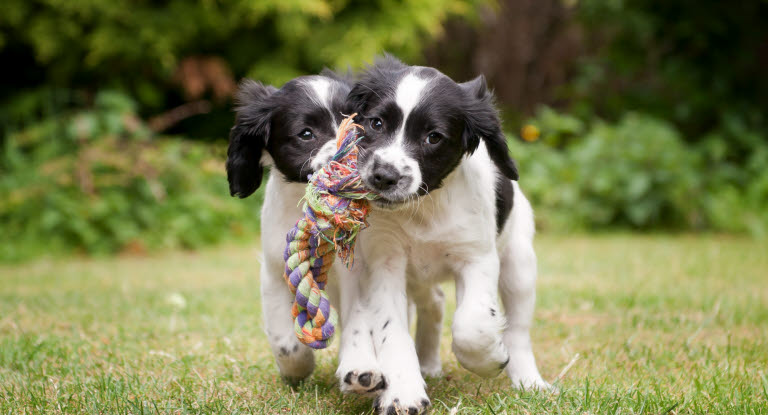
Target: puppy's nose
{"type": "Point", "coordinates": [385, 177]}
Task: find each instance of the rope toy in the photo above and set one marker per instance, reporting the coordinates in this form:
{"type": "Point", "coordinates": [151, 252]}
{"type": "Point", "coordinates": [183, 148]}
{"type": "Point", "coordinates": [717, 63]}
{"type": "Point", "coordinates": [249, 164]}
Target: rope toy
{"type": "Point", "coordinates": [335, 210]}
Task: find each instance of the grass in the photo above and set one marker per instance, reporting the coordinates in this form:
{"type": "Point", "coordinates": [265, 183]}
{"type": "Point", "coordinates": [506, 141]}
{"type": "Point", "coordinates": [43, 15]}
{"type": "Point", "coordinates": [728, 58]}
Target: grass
{"type": "Point", "coordinates": [627, 324]}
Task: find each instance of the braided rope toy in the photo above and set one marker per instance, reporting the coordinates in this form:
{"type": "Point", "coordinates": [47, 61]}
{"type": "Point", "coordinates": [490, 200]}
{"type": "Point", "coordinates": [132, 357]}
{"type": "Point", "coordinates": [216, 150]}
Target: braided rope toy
{"type": "Point", "coordinates": [335, 210]}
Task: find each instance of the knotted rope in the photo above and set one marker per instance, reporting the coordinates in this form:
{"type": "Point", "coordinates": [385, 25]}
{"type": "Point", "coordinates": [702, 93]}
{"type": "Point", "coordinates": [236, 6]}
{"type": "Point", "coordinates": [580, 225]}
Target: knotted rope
{"type": "Point", "coordinates": [335, 208]}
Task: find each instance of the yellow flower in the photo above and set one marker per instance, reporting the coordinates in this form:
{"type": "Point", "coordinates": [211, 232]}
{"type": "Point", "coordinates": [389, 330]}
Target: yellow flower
{"type": "Point", "coordinates": [530, 132]}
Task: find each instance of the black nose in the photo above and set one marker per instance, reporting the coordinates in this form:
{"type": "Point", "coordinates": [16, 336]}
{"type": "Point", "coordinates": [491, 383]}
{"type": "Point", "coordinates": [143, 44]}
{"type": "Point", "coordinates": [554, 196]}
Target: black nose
{"type": "Point", "coordinates": [385, 177]}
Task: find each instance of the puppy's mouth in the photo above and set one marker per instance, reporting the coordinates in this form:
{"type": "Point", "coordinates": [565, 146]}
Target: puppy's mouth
{"type": "Point", "coordinates": [387, 204]}
{"type": "Point", "coordinates": [392, 199]}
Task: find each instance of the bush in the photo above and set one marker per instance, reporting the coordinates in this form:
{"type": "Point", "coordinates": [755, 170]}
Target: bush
{"type": "Point", "coordinates": [97, 181]}
{"type": "Point", "coordinates": [693, 63]}
{"type": "Point", "coordinates": [738, 191]}
{"type": "Point", "coordinates": [640, 173]}
{"type": "Point", "coordinates": [141, 46]}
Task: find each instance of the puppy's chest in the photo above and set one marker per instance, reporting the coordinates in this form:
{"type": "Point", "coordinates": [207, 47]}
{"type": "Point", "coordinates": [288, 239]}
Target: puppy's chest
{"type": "Point", "coordinates": [429, 262]}
{"type": "Point", "coordinates": [433, 253]}
{"type": "Point", "coordinates": [436, 248]}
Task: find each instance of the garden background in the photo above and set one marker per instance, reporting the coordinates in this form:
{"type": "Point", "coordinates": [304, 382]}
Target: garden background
{"type": "Point", "coordinates": [635, 124]}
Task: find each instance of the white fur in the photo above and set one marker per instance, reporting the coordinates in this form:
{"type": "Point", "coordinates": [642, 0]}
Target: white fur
{"type": "Point", "coordinates": [430, 303]}
{"type": "Point", "coordinates": [323, 155]}
{"type": "Point", "coordinates": [396, 156]}
{"type": "Point", "coordinates": [408, 94]}
{"type": "Point", "coordinates": [322, 89]}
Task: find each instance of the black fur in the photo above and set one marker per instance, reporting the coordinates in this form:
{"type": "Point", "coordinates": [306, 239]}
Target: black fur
{"type": "Point", "coordinates": [270, 119]}
{"type": "Point", "coordinates": [505, 198]}
{"type": "Point", "coordinates": [483, 121]}
{"type": "Point", "coordinates": [248, 137]}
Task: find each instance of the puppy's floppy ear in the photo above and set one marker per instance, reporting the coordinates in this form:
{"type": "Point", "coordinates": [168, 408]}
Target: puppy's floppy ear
{"type": "Point", "coordinates": [358, 97]}
{"type": "Point", "coordinates": [482, 122]}
{"type": "Point", "coordinates": [248, 137]}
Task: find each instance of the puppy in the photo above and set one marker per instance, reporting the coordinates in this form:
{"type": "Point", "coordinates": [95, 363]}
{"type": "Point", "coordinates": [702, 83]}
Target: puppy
{"type": "Point", "coordinates": [450, 207]}
{"type": "Point", "coordinates": [292, 130]}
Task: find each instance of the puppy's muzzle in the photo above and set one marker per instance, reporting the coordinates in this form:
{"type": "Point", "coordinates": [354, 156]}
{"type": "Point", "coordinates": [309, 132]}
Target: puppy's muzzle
{"type": "Point", "coordinates": [385, 177]}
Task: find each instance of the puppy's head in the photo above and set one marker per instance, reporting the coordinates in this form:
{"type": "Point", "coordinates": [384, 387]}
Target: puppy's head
{"type": "Point", "coordinates": [290, 128]}
{"type": "Point", "coordinates": [419, 124]}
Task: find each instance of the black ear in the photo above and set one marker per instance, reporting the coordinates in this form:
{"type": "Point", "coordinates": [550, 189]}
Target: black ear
{"type": "Point", "coordinates": [482, 122]}
{"type": "Point", "coordinates": [248, 137]}
{"type": "Point", "coordinates": [358, 97]}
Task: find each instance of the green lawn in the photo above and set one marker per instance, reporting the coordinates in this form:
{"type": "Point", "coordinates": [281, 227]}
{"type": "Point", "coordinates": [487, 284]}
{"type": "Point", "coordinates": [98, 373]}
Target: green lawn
{"type": "Point", "coordinates": [634, 324]}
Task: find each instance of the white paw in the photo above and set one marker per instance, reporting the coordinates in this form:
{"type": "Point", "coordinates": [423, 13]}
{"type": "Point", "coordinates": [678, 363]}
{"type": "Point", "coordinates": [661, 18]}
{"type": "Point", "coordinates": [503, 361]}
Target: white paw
{"type": "Point", "coordinates": [524, 374]}
{"type": "Point", "coordinates": [399, 400]}
{"type": "Point", "coordinates": [366, 382]}
{"type": "Point", "coordinates": [538, 384]}
{"type": "Point", "coordinates": [295, 360]}
{"type": "Point", "coordinates": [359, 372]}
{"type": "Point", "coordinates": [481, 358]}
{"type": "Point", "coordinates": [478, 343]}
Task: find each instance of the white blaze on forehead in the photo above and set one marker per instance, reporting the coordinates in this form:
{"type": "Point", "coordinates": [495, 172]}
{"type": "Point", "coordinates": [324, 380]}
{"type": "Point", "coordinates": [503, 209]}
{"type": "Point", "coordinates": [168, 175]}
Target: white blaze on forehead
{"type": "Point", "coordinates": [408, 94]}
{"type": "Point", "coordinates": [322, 89]}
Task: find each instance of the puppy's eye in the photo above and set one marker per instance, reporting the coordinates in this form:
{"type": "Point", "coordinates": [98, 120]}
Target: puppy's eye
{"type": "Point", "coordinates": [433, 138]}
{"type": "Point", "coordinates": [376, 124]}
{"type": "Point", "coordinates": [306, 134]}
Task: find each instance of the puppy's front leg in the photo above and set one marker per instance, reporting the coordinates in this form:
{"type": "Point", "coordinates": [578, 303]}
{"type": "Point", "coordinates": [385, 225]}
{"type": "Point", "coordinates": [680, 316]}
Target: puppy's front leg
{"type": "Point", "coordinates": [387, 315]}
{"type": "Point", "coordinates": [358, 370]}
{"type": "Point", "coordinates": [478, 321]}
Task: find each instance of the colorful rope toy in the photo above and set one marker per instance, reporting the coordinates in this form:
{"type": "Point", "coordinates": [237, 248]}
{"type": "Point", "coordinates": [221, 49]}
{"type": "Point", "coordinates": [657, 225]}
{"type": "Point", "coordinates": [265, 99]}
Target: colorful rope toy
{"type": "Point", "coordinates": [335, 208]}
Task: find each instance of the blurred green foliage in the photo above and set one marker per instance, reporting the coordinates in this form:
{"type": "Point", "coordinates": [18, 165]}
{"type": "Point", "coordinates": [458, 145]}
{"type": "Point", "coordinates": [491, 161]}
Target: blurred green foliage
{"type": "Point", "coordinates": [640, 173]}
{"type": "Point", "coordinates": [700, 64]}
{"type": "Point", "coordinates": [97, 181]}
{"type": "Point", "coordinates": [682, 86]}
{"type": "Point", "coordinates": [137, 46]}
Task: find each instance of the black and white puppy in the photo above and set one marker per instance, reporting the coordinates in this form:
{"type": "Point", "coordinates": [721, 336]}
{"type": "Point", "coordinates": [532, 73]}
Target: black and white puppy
{"type": "Point", "coordinates": [450, 207]}
{"type": "Point", "coordinates": [291, 129]}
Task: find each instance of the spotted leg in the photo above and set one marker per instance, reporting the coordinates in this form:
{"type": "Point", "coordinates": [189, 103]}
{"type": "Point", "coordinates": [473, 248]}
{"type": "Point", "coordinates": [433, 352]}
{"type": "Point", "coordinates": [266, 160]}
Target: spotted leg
{"type": "Point", "coordinates": [384, 293]}
{"type": "Point", "coordinates": [358, 370]}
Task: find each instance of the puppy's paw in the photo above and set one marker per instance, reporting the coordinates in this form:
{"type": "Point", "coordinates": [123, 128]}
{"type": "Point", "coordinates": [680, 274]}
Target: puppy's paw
{"type": "Point", "coordinates": [478, 343]}
{"type": "Point", "coordinates": [534, 385]}
{"type": "Point", "coordinates": [523, 373]}
{"type": "Point", "coordinates": [294, 360]}
{"type": "Point", "coordinates": [391, 404]}
{"type": "Point", "coordinates": [532, 382]}
{"type": "Point", "coordinates": [370, 382]}
{"type": "Point", "coordinates": [482, 359]}
{"type": "Point", "coordinates": [431, 369]}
